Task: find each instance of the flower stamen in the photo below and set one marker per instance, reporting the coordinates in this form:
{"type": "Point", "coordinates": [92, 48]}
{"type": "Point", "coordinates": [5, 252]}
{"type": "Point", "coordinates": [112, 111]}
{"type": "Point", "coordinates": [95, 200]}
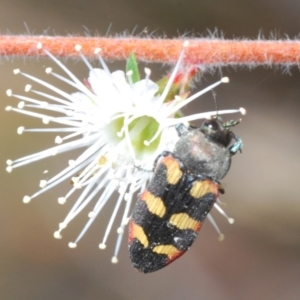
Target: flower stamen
{"type": "Point", "coordinates": [173, 75]}
{"type": "Point", "coordinates": [222, 212]}
{"type": "Point", "coordinates": [196, 95]}
{"type": "Point", "coordinates": [213, 222]}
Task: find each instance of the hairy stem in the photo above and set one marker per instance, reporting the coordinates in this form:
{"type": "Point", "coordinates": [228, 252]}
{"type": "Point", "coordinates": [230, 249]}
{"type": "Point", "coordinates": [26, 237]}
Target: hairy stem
{"type": "Point", "coordinates": [204, 51]}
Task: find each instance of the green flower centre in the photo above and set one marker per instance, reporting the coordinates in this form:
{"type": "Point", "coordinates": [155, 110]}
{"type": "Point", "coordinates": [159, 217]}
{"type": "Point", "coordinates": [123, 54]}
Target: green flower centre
{"type": "Point", "coordinates": [140, 130]}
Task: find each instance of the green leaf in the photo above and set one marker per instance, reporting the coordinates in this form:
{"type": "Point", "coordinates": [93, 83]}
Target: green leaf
{"type": "Point", "coordinates": [132, 65]}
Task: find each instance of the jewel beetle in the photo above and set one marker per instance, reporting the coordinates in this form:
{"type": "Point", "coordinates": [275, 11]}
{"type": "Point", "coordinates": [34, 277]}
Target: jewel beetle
{"type": "Point", "coordinates": [184, 187]}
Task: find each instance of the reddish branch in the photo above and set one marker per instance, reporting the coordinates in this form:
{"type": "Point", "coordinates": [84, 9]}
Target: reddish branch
{"type": "Point", "coordinates": [209, 52]}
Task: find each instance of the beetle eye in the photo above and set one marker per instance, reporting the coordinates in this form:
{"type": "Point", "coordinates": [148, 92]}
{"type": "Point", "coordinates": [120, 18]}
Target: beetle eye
{"type": "Point", "coordinates": [214, 130]}
{"type": "Point", "coordinates": [212, 125]}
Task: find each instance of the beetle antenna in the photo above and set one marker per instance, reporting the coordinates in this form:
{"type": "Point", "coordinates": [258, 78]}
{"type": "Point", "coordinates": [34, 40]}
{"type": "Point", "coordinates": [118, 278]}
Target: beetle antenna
{"type": "Point", "coordinates": [216, 103]}
{"type": "Point", "coordinates": [231, 123]}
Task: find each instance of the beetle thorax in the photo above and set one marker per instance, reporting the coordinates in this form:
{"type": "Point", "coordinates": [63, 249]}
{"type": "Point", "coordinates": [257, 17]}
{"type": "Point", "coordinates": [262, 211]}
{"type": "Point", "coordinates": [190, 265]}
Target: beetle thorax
{"type": "Point", "coordinates": [202, 156]}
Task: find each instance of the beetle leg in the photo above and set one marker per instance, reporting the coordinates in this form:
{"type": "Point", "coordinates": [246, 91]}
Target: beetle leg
{"type": "Point", "coordinates": [237, 146]}
{"type": "Point", "coordinates": [181, 129]}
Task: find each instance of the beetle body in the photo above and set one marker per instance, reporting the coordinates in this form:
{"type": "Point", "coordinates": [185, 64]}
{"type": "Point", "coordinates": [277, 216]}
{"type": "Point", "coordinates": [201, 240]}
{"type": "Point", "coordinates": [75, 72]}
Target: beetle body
{"type": "Point", "coordinates": [184, 187]}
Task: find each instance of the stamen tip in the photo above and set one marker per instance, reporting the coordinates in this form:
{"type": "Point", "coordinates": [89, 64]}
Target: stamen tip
{"type": "Point", "coordinates": [57, 235]}
{"type": "Point", "coordinates": [21, 104]}
{"type": "Point", "coordinates": [129, 73]}
{"type": "Point", "coordinates": [9, 92]}
{"type": "Point", "coordinates": [78, 47]}
{"type": "Point", "coordinates": [43, 183]}
{"type": "Point", "coordinates": [75, 179]}
{"type": "Point", "coordinates": [97, 50]}
{"type": "Point", "coordinates": [77, 185]}
{"type": "Point", "coordinates": [243, 111]}
{"type": "Point", "coordinates": [225, 80]}
{"type": "Point", "coordinates": [45, 121]}
{"type": "Point", "coordinates": [120, 230]}
{"type": "Point", "coordinates": [114, 260]}
{"type": "Point", "coordinates": [61, 200]}
{"type": "Point", "coordinates": [28, 87]}
{"type": "Point", "coordinates": [186, 44]}
{"type": "Point", "coordinates": [58, 140]}
{"type": "Point", "coordinates": [147, 71]}
{"type": "Point", "coordinates": [39, 45]}
{"type": "Point", "coordinates": [121, 190]}
{"type": "Point", "coordinates": [72, 163]}
{"type": "Point", "coordinates": [146, 143]}
{"type": "Point", "coordinates": [221, 237]}
{"type": "Point", "coordinates": [231, 220]}
{"type": "Point", "coordinates": [20, 130]}
{"type": "Point", "coordinates": [8, 108]}
{"type": "Point", "coordinates": [9, 162]}
{"type": "Point", "coordinates": [16, 71]}
{"type": "Point", "coordinates": [48, 70]}
{"type": "Point", "coordinates": [9, 169]}
{"type": "Point", "coordinates": [92, 215]}
{"type": "Point", "coordinates": [126, 221]}
{"type": "Point", "coordinates": [102, 246]}
{"type": "Point", "coordinates": [26, 199]}
{"type": "Point", "coordinates": [72, 245]}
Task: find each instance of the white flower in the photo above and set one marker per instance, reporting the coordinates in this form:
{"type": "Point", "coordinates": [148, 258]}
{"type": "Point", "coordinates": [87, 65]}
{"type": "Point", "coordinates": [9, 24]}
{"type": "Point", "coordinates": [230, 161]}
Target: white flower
{"type": "Point", "coordinates": [121, 127]}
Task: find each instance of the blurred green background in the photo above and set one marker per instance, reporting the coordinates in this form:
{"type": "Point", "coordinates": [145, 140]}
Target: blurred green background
{"type": "Point", "coordinates": [260, 257]}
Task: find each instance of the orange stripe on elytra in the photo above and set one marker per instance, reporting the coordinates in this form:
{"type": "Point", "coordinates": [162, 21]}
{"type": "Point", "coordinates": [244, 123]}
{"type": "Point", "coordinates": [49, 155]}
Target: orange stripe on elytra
{"type": "Point", "coordinates": [201, 188]}
{"type": "Point", "coordinates": [169, 250]}
{"type": "Point", "coordinates": [173, 170]}
{"type": "Point", "coordinates": [154, 204]}
{"type": "Point", "coordinates": [184, 221]}
{"type": "Point", "coordinates": [137, 232]}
